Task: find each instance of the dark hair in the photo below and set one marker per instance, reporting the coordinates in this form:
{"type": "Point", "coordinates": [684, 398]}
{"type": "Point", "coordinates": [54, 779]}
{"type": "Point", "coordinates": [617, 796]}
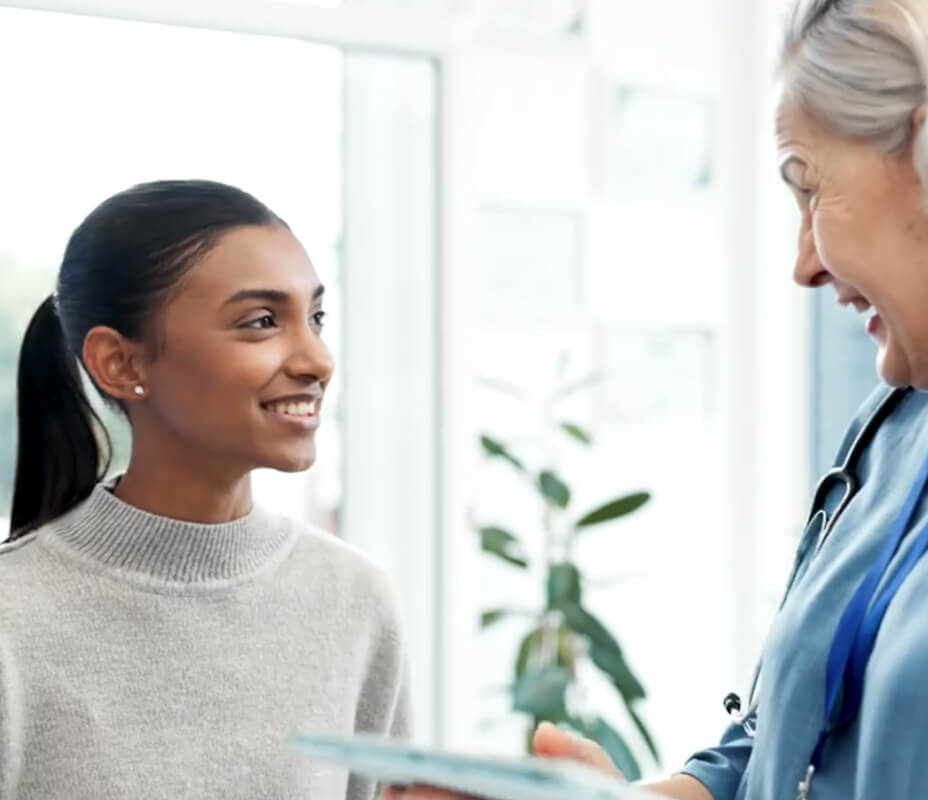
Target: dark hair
{"type": "Point", "coordinates": [120, 266]}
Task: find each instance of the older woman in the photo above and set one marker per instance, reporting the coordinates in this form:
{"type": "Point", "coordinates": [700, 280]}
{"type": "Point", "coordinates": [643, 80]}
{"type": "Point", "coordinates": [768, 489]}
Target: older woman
{"type": "Point", "coordinates": [842, 698]}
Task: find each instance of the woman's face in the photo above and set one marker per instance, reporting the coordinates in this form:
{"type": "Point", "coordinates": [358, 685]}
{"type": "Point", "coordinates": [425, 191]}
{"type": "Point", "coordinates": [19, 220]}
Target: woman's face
{"type": "Point", "coordinates": [864, 230]}
{"type": "Point", "coordinates": [241, 368]}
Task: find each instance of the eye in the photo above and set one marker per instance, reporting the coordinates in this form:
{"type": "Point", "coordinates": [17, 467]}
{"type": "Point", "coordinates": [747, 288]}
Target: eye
{"type": "Point", "coordinates": [261, 323]}
{"type": "Point", "coordinates": [318, 319]}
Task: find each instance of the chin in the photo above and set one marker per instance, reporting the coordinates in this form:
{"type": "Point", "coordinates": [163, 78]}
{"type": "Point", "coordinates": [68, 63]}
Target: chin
{"type": "Point", "coordinates": [291, 462]}
{"type": "Point", "coordinates": [893, 367]}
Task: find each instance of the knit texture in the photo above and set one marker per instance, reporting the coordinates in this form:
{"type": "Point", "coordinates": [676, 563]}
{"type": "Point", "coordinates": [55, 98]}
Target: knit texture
{"type": "Point", "coordinates": [145, 657]}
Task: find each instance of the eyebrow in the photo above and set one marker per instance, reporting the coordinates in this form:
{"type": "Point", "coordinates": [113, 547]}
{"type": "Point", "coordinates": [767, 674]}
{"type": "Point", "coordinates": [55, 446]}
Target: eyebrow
{"type": "Point", "coordinates": [269, 295]}
{"type": "Point", "coordinates": [785, 167]}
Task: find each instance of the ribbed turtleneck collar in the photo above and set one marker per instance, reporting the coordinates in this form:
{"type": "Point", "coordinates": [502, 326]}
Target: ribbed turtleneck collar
{"type": "Point", "coordinates": [112, 535]}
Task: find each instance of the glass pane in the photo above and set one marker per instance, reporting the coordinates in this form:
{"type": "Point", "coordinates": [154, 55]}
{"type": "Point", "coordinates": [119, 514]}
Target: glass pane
{"type": "Point", "coordinates": [100, 108]}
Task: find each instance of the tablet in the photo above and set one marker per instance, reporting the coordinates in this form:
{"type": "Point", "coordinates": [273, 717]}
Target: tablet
{"type": "Point", "coordinates": [393, 763]}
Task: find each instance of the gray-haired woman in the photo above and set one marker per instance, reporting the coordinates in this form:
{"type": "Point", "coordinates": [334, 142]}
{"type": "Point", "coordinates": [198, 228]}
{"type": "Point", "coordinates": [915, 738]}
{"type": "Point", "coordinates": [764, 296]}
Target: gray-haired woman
{"type": "Point", "coordinates": [842, 700]}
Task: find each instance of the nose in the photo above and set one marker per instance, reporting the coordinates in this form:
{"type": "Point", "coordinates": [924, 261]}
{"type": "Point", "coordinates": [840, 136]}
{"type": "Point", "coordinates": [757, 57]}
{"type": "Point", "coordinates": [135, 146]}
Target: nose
{"type": "Point", "coordinates": [809, 270]}
{"type": "Point", "coordinates": [310, 359]}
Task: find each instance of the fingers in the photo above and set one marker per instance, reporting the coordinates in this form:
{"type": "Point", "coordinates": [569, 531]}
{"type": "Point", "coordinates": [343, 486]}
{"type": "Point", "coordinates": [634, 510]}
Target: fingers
{"type": "Point", "coordinates": [552, 742]}
{"type": "Point", "coordinates": [419, 793]}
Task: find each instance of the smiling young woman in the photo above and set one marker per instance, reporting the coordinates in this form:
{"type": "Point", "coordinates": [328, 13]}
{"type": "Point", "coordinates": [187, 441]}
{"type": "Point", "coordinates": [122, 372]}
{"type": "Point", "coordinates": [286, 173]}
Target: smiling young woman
{"type": "Point", "coordinates": [159, 635]}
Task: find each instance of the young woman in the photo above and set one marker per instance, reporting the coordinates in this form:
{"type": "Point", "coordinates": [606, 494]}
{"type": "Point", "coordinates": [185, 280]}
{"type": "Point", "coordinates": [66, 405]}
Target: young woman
{"type": "Point", "coordinates": [161, 637]}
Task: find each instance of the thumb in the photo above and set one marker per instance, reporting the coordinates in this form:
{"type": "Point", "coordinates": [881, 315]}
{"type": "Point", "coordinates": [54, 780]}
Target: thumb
{"type": "Point", "coordinates": [552, 742]}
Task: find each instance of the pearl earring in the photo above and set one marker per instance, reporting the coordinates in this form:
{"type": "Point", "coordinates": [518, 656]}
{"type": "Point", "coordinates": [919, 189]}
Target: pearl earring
{"type": "Point", "coordinates": [139, 390]}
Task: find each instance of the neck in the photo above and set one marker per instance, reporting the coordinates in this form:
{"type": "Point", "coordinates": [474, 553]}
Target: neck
{"type": "Point", "coordinates": [184, 489]}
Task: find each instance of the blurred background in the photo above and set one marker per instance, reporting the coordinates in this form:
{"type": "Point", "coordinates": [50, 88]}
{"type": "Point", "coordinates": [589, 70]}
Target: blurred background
{"type": "Point", "coordinates": [579, 403]}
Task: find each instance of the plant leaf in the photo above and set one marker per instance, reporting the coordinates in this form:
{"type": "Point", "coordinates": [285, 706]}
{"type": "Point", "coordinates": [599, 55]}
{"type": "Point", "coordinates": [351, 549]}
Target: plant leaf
{"type": "Point", "coordinates": [615, 509]}
{"type": "Point", "coordinates": [488, 618]}
{"type": "Point", "coordinates": [613, 743]}
{"type": "Point", "coordinates": [504, 545]}
{"type": "Point", "coordinates": [530, 642]}
{"type": "Point", "coordinates": [563, 586]}
{"type": "Point", "coordinates": [605, 652]}
{"type": "Point", "coordinates": [577, 432]}
{"type": "Point", "coordinates": [494, 449]}
{"type": "Point", "coordinates": [554, 490]}
{"type": "Point", "coordinates": [566, 652]}
{"type": "Point", "coordinates": [644, 733]}
{"type": "Point", "coordinates": [613, 664]}
{"type": "Point", "coordinates": [542, 693]}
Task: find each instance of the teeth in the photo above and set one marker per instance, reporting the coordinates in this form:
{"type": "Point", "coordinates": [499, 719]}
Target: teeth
{"type": "Point", "coordinates": [302, 409]}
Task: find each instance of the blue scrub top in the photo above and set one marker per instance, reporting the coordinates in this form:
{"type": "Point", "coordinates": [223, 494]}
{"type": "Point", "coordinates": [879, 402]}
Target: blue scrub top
{"type": "Point", "coordinates": [884, 754]}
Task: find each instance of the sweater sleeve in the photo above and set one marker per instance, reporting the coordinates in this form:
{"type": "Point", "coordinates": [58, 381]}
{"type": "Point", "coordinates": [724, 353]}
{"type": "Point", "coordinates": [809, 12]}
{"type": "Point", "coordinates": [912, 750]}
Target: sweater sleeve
{"type": "Point", "coordinates": [384, 706]}
{"type": "Point", "coordinates": [720, 769]}
{"type": "Point", "coordinates": [10, 724]}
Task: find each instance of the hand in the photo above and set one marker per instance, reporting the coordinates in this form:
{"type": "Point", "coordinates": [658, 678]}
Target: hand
{"type": "Point", "coordinates": [549, 741]}
{"type": "Point", "coordinates": [552, 742]}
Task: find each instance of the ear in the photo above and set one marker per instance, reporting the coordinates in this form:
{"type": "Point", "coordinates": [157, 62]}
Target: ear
{"type": "Point", "coordinates": [918, 120]}
{"type": "Point", "coordinates": [115, 363]}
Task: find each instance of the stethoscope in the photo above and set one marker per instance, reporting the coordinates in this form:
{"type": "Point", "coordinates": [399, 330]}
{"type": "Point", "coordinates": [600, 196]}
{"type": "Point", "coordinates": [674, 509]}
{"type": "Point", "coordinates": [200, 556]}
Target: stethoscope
{"type": "Point", "coordinates": [817, 530]}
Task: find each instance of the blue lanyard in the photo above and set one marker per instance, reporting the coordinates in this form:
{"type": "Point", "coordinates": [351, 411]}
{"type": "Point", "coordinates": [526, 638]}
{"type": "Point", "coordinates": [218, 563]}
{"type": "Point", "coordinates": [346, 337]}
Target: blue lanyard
{"type": "Point", "coordinates": [856, 633]}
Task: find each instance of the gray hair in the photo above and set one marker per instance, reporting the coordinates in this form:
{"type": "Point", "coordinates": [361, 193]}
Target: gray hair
{"type": "Point", "coordinates": [859, 68]}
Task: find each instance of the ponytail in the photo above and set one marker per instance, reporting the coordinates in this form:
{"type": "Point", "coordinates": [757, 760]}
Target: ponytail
{"type": "Point", "coordinates": [60, 457]}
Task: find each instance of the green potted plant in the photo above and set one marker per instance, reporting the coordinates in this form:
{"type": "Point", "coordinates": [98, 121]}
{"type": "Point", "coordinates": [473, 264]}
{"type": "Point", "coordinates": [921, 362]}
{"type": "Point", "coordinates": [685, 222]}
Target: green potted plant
{"type": "Point", "coordinates": [563, 633]}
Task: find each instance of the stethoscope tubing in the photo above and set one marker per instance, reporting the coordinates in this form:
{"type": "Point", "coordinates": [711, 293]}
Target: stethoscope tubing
{"type": "Point", "coordinates": [845, 474]}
